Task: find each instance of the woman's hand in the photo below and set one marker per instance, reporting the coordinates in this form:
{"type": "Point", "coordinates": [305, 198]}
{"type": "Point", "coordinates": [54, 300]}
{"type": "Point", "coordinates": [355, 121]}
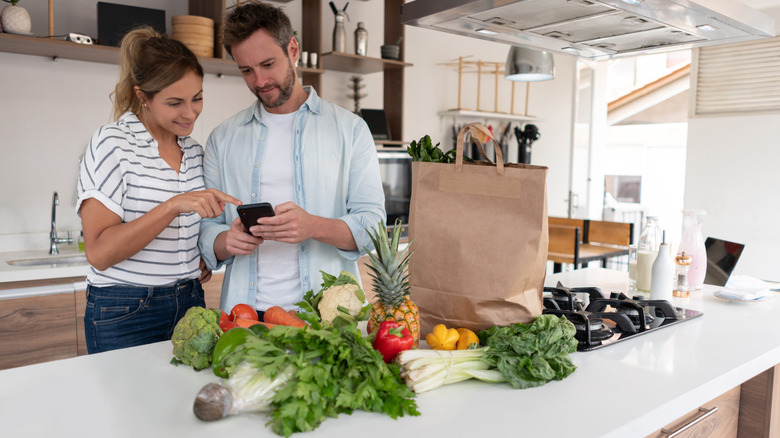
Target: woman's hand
{"type": "Point", "coordinates": [206, 203]}
{"type": "Point", "coordinates": [205, 273]}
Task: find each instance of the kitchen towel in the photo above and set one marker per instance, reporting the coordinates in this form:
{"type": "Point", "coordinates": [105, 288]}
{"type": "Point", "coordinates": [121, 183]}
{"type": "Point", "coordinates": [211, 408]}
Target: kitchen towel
{"type": "Point", "coordinates": [479, 233]}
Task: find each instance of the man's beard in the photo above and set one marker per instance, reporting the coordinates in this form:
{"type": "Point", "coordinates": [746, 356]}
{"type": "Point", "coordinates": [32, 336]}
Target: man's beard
{"type": "Point", "coordinates": [285, 90]}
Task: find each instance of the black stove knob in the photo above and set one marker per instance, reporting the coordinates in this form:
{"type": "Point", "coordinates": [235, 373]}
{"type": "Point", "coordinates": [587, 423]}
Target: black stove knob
{"type": "Point", "coordinates": [638, 298]}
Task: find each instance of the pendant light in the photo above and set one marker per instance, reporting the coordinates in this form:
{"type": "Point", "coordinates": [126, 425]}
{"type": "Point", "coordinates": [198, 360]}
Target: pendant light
{"type": "Point", "coordinates": [529, 65]}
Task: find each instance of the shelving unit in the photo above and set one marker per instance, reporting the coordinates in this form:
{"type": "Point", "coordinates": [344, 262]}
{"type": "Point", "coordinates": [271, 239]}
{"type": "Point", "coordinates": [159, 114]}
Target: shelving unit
{"type": "Point", "coordinates": [486, 115]}
{"type": "Point", "coordinates": [359, 64]}
{"type": "Point", "coordinates": [219, 65]}
{"type": "Point", "coordinates": [55, 48]}
{"type": "Point", "coordinates": [393, 70]}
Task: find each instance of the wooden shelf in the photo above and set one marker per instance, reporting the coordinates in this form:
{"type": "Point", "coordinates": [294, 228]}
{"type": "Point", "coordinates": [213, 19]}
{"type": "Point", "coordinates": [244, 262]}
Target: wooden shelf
{"type": "Point", "coordinates": [56, 48]}
{"type": "Point", "coordinates": [359, 64]}
{"type": "Point", "coordinates": [485, 115]}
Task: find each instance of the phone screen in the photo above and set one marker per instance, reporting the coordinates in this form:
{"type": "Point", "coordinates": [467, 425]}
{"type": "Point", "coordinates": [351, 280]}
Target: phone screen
{"type": "Point", "coordinates": [250, 213]}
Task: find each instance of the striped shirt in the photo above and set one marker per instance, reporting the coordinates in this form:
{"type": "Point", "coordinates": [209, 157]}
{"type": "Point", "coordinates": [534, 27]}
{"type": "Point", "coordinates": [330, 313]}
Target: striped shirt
{"type": "Point", "coordinates": [122, 169]}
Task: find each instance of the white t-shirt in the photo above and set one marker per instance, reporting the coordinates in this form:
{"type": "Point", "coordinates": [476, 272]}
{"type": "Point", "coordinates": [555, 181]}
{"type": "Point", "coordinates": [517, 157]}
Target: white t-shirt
{"type": "Point", "coordinates": [278, 271]}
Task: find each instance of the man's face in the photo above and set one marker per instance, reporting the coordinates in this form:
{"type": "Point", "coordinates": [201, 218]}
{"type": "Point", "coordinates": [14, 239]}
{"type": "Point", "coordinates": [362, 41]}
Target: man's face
{"type": "Point", "coordinates": [267, 71]}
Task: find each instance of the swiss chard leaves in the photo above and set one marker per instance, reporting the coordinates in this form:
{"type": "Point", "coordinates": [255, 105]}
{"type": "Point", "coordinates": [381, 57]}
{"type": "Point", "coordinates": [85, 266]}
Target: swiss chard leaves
{"type": "Point", "coordinates": [530, 355]}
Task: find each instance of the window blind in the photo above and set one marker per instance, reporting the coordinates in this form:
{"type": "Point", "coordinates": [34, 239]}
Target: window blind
{"type": "Point", "coordinates": [737, 78]}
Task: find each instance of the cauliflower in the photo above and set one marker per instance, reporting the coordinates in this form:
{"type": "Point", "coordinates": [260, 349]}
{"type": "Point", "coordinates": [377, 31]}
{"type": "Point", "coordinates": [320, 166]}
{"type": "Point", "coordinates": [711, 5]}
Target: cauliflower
{"type": "Point", "coordinates": [347, 296]}
{"type": "Point", "coordinates": [195, 335]}
{"type": "Point", "coordinates": [340, 301]}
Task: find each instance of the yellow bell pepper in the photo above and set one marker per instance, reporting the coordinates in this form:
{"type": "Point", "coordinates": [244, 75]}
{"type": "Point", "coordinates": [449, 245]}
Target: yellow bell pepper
{"type": "Point", "coordinates": [442, 338]}
{"type": "Point", "coordinates": [465, 338]}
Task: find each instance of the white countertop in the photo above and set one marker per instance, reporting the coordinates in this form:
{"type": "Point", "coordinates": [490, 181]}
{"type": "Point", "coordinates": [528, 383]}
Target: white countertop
{"type": "Point", "coordinates": [628, 389]}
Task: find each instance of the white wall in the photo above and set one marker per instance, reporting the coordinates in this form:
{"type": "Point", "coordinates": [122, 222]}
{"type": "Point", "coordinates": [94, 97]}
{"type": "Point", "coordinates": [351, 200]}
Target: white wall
{"type": "Point", "coordinates": [49, 110]}
{"type": "Point", "coordinates": [732, 172]}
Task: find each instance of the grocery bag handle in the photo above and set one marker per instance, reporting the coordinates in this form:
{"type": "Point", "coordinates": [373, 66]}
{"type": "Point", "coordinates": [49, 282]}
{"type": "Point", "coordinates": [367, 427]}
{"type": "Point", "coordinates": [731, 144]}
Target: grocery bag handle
{"type": "Point", "coordinates": [475, 129]}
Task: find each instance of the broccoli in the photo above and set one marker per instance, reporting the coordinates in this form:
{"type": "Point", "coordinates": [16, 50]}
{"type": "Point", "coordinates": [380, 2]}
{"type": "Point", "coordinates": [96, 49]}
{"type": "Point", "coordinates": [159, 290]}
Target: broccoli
{"type": "Point", "coordinates": [195, 335]}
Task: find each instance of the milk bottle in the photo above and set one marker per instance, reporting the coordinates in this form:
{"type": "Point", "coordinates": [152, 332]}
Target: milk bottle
{"type": "Point", "coordinates": [647, 250]}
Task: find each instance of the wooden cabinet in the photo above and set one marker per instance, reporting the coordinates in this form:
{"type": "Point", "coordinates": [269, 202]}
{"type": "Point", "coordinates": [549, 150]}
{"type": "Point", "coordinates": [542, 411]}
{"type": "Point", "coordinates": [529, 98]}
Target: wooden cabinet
{"type": "Point", "coordinates": [51, 327]}
{"type": "Point", "coordinates": [37, 329]}
{"type": "Point", "coordinates": [212, 290]}
{"type": "Point", "coordinates": [759, 411]}
{"type": "Point", "coordinates": [716, 419]}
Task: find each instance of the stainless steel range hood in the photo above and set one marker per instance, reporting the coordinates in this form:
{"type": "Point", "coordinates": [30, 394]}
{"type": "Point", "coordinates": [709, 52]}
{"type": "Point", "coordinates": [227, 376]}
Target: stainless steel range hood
{"type": "Point", "coordinates": [595, 29]}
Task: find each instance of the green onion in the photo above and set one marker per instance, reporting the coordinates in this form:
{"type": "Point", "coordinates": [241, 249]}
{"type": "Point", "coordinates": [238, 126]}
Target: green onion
{"type": "Point", "coordinates": [424, 370]}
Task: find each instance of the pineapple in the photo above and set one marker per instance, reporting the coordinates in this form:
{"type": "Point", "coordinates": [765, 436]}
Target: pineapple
{"type": "Point", "coordinates": [391, 283]}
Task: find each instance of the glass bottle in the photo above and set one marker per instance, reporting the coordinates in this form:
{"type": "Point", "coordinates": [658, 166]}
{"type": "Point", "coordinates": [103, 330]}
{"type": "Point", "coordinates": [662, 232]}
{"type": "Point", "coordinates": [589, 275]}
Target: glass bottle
{"type": "Point", "coordinates": [663, 270]}
{"type": "Point", "coordinates": [361, 39]}
{"type": "Point", "coordinates": [692, 244]}
{"type": "Point", "coordinates": [647, 250]}
{"type": "Point", "coordinates": [339, 33]}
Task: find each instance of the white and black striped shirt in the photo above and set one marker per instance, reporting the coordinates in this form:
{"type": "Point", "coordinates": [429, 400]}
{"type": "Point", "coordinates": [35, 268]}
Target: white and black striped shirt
{"type": "Point", "coordinates": [122, 169]}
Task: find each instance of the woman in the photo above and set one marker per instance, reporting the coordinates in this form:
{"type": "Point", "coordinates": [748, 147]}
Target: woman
{"type": "Point", "coordinates": [142, 197]}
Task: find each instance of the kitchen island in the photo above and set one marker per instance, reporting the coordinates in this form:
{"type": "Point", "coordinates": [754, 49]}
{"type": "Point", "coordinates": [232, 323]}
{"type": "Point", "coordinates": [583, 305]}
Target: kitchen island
{"type": "Point", "coordinates": [628, 389]}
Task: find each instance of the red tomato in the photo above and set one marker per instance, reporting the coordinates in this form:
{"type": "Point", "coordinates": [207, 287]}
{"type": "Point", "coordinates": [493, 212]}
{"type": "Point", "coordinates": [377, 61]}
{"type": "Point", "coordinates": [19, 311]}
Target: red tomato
{"type": "Point", "coordinates": [223, 316]}
{"type": "Point", "coordinates": [227, 325]}
{"type": "Point", "coordinates": [243, 311]}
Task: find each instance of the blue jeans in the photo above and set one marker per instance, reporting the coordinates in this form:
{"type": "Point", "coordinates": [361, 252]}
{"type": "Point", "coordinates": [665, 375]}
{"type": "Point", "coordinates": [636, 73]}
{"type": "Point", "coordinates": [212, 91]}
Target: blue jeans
{"type": "Point", "coordinates": [126, 316]}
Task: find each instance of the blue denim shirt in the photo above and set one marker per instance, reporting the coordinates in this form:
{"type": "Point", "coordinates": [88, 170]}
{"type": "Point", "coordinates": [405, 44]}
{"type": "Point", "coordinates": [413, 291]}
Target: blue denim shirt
{"type": "Point", "coordinates": [335, 175]}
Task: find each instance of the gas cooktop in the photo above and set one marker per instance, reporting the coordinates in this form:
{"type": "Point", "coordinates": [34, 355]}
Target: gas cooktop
{"type": "Point", "coordinates": [602, 321]}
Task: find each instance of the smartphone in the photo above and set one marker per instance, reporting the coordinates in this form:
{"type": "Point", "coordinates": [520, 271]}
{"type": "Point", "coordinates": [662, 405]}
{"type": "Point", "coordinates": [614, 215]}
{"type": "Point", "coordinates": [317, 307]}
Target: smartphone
{"type": "Point", "coordinates": [250, 213]}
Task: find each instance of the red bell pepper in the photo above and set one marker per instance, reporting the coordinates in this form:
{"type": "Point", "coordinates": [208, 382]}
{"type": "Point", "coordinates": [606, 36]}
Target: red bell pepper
{"type": "Point", "coordinates": [392, 338]}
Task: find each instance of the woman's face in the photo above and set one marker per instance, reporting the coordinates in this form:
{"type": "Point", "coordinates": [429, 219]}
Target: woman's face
{"type": "Point", "coordinates": [176, 107]}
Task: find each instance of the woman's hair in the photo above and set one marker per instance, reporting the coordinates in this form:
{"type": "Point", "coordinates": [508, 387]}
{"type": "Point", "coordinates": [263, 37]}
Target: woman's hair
{"type": "Point", "coordinates": [246, 19]}
{"type": "Point", "coordinates": [151, 62]}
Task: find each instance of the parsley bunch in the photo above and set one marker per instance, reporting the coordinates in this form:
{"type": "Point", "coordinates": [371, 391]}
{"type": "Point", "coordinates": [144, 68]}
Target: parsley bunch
{"type": "Point", "coordinates": [336, 371]}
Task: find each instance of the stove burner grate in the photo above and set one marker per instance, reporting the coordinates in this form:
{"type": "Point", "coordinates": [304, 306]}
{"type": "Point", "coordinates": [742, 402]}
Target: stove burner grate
{"type": "Point", "coordinates": [624, 316]}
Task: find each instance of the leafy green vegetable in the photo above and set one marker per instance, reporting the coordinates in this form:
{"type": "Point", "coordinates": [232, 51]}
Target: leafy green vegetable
{"type": "Point", "coordinates": [195, 335]}
{"type": "Point", "coordinates": [532, 354]}
{"type": "Point", "coordinates": [336, 371]}
{"type": "Point", "coordinates": [524, 355]}
{"type": "Point", "coordinates": [424, 150]}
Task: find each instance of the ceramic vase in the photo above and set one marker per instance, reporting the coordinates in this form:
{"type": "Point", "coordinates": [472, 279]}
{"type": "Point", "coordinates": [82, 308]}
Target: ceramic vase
{"type": "Point", "coordinates": [15, 19]}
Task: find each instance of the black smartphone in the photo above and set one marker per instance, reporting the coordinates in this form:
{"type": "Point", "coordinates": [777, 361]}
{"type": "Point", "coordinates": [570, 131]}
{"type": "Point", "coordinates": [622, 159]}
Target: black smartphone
{"type": "Point", "coordinates": [250, 213]}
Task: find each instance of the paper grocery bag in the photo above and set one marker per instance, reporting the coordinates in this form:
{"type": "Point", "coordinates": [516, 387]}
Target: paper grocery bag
{"type": "Point", "coordinates": [479, 233]}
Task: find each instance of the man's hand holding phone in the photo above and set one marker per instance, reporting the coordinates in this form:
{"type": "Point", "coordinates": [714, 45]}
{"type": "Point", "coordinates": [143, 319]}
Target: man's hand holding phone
{"type": "Point", "coordinates": [238, 241]}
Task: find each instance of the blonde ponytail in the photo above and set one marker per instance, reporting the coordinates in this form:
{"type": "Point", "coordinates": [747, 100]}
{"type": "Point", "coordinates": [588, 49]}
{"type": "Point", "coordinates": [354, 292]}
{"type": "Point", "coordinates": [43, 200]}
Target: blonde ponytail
{"type": "Point", "coordinates": [151, 62]}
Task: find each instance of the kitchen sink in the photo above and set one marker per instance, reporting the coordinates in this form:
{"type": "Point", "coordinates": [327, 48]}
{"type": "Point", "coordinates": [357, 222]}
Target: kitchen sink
{"type": "Point", "coordinates": [51, 260]}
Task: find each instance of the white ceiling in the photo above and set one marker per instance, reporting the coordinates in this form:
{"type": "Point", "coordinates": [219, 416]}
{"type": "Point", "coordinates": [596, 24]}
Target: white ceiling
{"type": "Point", "coordinates": [761, 4]}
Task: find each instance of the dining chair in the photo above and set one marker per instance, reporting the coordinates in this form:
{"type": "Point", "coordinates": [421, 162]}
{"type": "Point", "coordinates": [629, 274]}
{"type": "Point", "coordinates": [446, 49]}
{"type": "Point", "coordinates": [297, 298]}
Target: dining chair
{"type": "Point", "coordinates": [605, 239]}
{"type": "Point", "coordinates": [563, 246]}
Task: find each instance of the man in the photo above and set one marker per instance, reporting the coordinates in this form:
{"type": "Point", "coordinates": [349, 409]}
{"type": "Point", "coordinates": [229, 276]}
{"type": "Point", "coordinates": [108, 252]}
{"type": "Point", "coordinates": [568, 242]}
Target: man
{"type": "Point", "coordinates": [315, 162]}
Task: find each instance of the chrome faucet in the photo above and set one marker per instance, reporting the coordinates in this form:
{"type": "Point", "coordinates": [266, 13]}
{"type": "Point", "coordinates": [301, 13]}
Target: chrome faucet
{"type": "Point", "coordinates": [53, 239]}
